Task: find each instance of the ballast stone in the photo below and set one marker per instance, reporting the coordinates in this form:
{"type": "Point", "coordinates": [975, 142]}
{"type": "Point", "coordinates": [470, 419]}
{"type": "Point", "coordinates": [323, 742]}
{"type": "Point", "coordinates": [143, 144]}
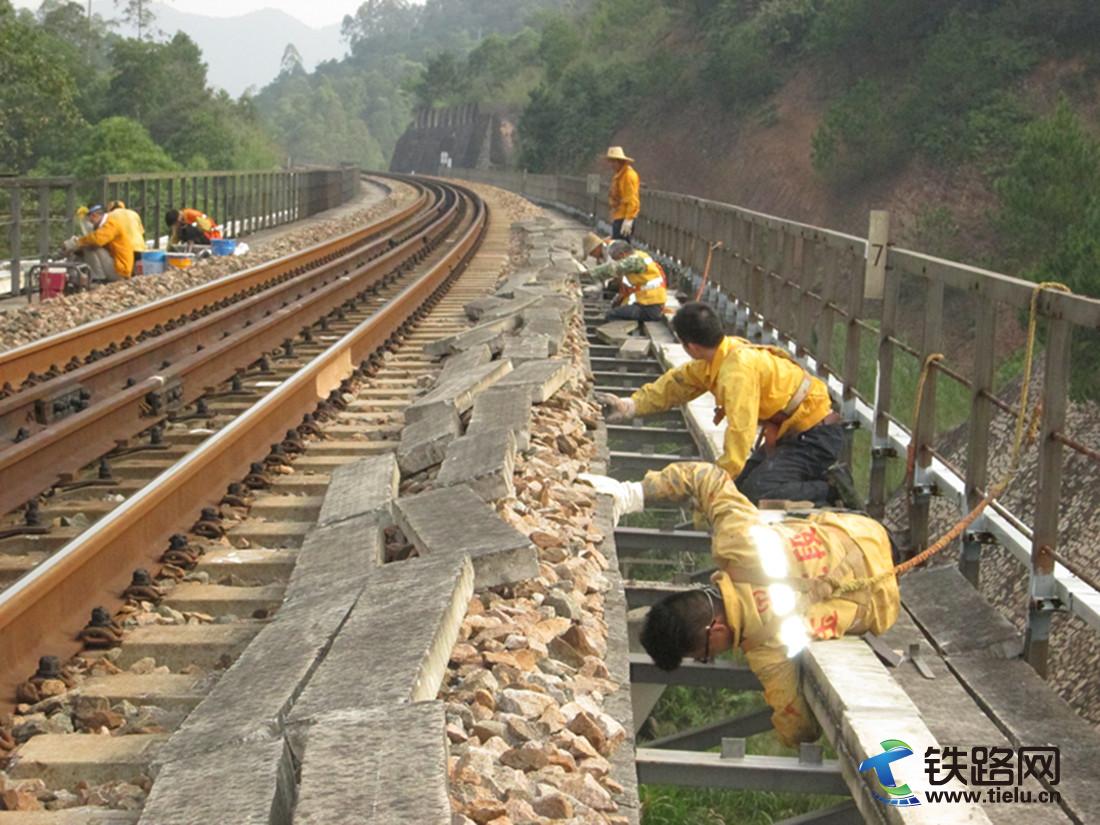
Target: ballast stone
{"type": "Point", "coordinates": [455, 521]}
{"type": "Point", "coordinates": [485, 460]}
{"type": "Point", "coordinates": [364, 487]}
{"type": "Point", "coordinates": [395, 644]}
{"type": "Point", "coordinates": [361, 764]}
{"type": "Point", "coordinates": [250, 784]}
{"type": "Point", "coordinates": [424, 442]}
{"type": "Point", "coordinates": [459, 392]}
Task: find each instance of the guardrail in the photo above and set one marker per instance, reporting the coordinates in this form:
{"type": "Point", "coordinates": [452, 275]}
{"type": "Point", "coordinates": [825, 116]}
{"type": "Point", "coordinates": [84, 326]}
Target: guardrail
{"type": "Point", "coordinates": [865, 315]}
{"type": "Point", "coordinates": [242, 202]}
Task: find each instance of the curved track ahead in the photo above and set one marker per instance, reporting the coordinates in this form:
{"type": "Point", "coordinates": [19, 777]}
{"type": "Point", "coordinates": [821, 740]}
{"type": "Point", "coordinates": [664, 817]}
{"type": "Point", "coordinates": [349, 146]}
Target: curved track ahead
{"type": "Point", "coordinates": [145, 367]}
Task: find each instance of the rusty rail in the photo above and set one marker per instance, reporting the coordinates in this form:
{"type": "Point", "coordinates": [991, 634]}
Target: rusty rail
{"type": "Point", "coordinates": [43, 611]}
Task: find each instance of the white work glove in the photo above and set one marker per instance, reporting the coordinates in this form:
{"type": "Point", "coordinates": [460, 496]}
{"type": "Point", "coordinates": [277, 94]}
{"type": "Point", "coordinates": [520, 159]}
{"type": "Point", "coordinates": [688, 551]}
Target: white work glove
{"type": "Point", "coordinates": [71, 244]}
{"type": "Point", "coordinates": [581, 268]}
{"type": "Point", "coordinates": [626, 496]}
{"type": "Point", "coordinates": [615, 408]}
{"type": "Point", "coordinates": [627, 227]}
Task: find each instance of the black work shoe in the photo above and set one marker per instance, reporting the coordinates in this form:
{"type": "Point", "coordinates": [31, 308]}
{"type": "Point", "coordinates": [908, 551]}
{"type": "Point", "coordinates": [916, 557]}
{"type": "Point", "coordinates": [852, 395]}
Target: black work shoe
{"type": "Point", "coordinates": [843, 486]}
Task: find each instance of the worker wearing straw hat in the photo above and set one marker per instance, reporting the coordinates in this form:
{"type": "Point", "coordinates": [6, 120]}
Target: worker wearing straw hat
{"type": "Point", "coordinates": [623, 199]}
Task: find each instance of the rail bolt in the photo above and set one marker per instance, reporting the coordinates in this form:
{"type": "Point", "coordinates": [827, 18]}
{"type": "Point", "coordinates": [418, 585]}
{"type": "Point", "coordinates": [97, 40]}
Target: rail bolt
{"type": "Point", "coordinates": [49, 667]}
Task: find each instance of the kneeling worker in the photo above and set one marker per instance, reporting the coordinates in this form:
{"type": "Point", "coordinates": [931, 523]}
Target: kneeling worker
{"type": "Point", "coordinates": [643, 295]}
{"type": "Point", "coordinates": [802, 438]}
{"type": "Point", "coordinates": [108, 235]}
{"type": "Point", "coordinates": [191, 226]}
{"type": "Point", "coordinates": [780, 582]}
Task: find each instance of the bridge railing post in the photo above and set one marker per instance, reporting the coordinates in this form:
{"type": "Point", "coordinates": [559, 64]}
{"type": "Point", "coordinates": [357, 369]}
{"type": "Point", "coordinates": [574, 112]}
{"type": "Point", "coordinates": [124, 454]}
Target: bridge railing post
{"type": "Point", "coordinates": [977, 446]}
{"type": "Point", "coordinates": [1041, 603]}
{"type": "Point", "coordinates": [924, 429]}
{"type": "Point", "coordinates": [878, 256]}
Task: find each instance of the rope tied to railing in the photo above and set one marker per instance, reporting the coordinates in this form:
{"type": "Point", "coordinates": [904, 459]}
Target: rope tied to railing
{"type": "Point", "coordinates": [1026, 433]}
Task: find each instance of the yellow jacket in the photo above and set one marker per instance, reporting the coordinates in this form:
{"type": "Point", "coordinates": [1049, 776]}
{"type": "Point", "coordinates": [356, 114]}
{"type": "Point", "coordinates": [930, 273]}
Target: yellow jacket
{"type": "Point", "coordinates": [750, 383]}
{"type": "Point", "coordinates": [131, 223]}
{"type": "Point", "coordinates": [643, 278]}
{"type": "Point", "coordinates": [623, 197]}
{"type": "Point", "coordinates": [817, 552]}
{"type": "Point", "coordinates": [113, 237]}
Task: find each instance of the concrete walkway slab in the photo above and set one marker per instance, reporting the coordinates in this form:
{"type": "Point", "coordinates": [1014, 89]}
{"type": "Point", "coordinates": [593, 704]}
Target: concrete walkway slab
{"type": "Point", "coordinates": [395, 644]}
{"type": "Point", "coordinates": [459, 392]}
{"type": "Point", "coordinates": [541, 378]}
{"type": "Point", "coordinates": [361, 766]}
{"type": "Point", "coordinates": [504, 407]}
{"type": "Point", "coordinates": [462, 362]}
{"type": "Point", "coordinates": [485, 460]}
{"type": "Point", "coordinates": [334, 558]}
{"type": "Point", "coordinates": [523, 348]}
{"type": "Point", "coordinates": [249, 784]}
{"type": "Point", "coordinates": [616, 332]}
{"type": "Point", "coordinates": [365, 487]}
{"type": "Point", "coordinates": [455, 521]}
{"type": "Point", "coordinates": [424, 442]}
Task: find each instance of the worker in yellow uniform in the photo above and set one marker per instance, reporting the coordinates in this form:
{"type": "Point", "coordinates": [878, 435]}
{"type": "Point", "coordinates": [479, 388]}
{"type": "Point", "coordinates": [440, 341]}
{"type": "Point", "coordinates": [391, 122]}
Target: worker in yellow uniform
{"type": "Point", "coordinates": [644, 287]}
{"type": "Point", "coordinates": [110, 236]}
{"type": "Point", "coordinates": [798, 454]}
{"type": "Point", "coordinates": [130, 221]}
{"type": "Point", "coordinates": [781, 582]}
{"type": "Point", "coordinates": [623, 197]}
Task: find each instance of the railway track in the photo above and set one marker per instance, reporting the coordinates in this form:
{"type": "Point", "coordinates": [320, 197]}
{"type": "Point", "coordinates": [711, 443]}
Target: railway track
{"type": "Point", "coordinates": [274, 425]}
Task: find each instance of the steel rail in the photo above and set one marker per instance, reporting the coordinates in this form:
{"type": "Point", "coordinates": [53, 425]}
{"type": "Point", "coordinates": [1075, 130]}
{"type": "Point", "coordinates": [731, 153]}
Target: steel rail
{"type": "Point", "coordinates": [42, 612]}
{"type": "Point", "coordinates": [36, 407]}
{"type": "Point", "coordinates": [34, 464]}
{"type": "Point", "coordinates": [56, 350]}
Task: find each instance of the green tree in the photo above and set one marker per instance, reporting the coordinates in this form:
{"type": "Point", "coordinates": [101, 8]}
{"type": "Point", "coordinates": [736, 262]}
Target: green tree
{"type": "Point", "coordinates": [117, 145]}
{"type": "Point", "coordinates": [1052, 182]}
{"type": "Point", "coordinates": [139, 15]}
{"type": "Point", "coordinates": [37, 96]}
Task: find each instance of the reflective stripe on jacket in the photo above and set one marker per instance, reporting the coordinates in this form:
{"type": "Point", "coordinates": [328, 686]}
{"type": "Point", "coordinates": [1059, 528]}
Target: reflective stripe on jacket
{"type": "Point", "coordinates": [750, 383]}
{"type": "Point", "coordinates": [820, 550]}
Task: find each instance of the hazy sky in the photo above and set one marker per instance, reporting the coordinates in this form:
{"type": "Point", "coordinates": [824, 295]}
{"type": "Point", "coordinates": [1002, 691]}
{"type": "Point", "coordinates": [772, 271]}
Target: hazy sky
{"type": "Point", "coordinates": [316, 13]}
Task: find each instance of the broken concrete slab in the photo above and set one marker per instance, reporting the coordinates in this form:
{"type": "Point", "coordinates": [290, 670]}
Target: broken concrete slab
{"type": "Point", "coordinates": [484, 333]}
{"type": "Point", "coordinates": [523, 348]}
{"type": "Point", "coordinates": [616, 332]}
{"type": "Point", "coordinates": [455, 521]}
{"type": "Point", "coordinates": [504, 407]}
{"type": "Point", "coordinates": [459, 392]}
{"type": "Point", "coordinates": [334, 558]}
{"type": "Point", "coordinates": [479, 306]}
{"type": "Point", "coordinates": [508, 308]}
{"type": "Point", "coordinates": [252, 699]}
{"type": "Point", "coordinates": [364, 487]}
{"type": "Point", "coordinates": [394, 646]}
{"type": "Point", "coordinates": [485, 460]}
{"type": "Point", "coordinates": [249, 784]}
{"type": "Point", "coordinates": [542, 378]}
{"type": "Point", "coordinates": [635, 348]}
{"type": "Point", "coordinates": [462, 362]}
{"type": "Point", "coordinates": [546, 322]}
{"type": "Point", "coordinates": [517, 279]}
{"type": "Point", "coordinates": [424, 442]}
{"type": "Point", "coordinates": [360, 765]}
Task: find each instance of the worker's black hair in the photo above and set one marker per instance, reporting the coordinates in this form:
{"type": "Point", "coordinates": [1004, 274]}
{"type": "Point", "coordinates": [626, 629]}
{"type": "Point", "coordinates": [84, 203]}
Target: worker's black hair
{"type": "Point", "coordinates": [697, 323]}
{"type": "Point", "coordinates": [171, 216]}
{"type": "Point", "coordinates": [675, 626]}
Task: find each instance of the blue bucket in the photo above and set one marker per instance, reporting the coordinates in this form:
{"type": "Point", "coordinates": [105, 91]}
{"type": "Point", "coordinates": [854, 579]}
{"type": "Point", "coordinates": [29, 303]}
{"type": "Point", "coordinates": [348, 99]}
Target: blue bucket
{"type": "Point", "coordinates": [152, 262]}
{"type": "Point", "coordinates": [222, 246]}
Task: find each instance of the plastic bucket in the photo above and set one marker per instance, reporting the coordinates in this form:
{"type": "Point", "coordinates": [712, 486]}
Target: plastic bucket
{"type": "Point", "coordinates": [180, 260]}
{"type": "Point", "coordinates": [222, 247]}
{"type": "Point", "coordinates": [152, 262]}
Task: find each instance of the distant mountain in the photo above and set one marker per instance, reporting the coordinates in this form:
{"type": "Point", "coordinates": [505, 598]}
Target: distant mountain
{"type": "Point", "coordinates": [246, 50]}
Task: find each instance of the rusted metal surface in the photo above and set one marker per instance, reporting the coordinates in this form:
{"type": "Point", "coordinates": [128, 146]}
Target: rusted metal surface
{"type": "Point", "coordinates": [57, 350]}
{"type": "Point", "coordinates": [32, 465]}
{"type": "Point", "coordinates": [44, 611]}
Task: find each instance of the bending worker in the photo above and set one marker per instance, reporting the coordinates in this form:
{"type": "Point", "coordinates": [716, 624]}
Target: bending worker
{"type": "Point", "coordinates": [623, 199]}
{"type": "Point", "coordinates": [780, 583]}
{"type": "Point", "coordinates": [130, 221]}
{"type": "Point", "coordinates": [108, 235]}
{"type": "Point", "coordinates": [643, 293]}
{"type": "Point", "coordinates": [191, 226]}
{"type": "Point", "coordinates": [802, 439]}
